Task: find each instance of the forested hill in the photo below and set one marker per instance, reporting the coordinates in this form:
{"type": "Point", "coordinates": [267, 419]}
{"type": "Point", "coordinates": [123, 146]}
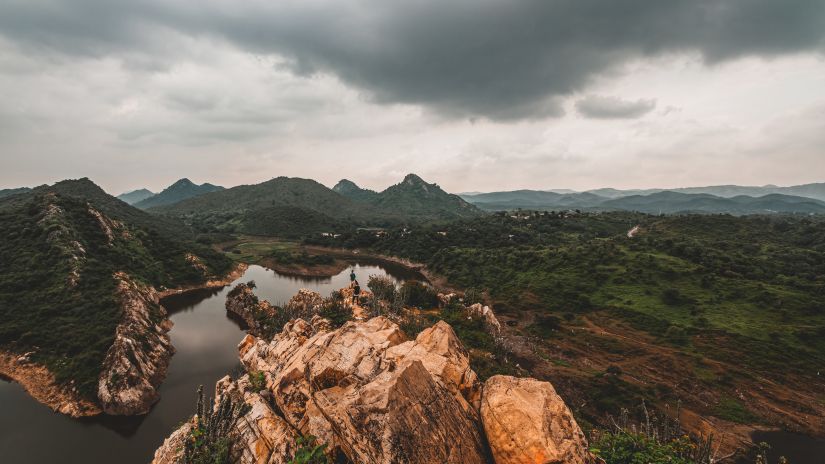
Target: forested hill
{"type": "Point", "coordinates": [292, 207]}
{"type": "Point", "coordinates": [412, 198]}
{"type": "Point", "coordinates": [180, 190]}
{"type": "Point", "coordinates": [61, 246]}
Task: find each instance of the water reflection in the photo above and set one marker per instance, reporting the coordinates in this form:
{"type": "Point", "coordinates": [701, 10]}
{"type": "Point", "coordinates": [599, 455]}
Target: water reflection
{"type": "Point", "coordinates": [205, 339]}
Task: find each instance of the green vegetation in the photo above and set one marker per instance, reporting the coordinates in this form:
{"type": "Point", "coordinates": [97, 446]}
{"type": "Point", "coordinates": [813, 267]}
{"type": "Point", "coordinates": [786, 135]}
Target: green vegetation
{"type": "Point", "coordinates": [57, 290]}
{"type": "Point", "coordinates": [309, 452]}
{"type": "Point", "coordinates": [635, 448]}
{"type": "Point", "coordinates": [743, 291]}
{"type": "Point", "coordinates": [209, 441]}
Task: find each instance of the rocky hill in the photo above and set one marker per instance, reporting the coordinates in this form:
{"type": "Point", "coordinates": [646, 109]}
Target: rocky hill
{"type": "Point", "coordinates": [79, 296]}
{"type": "Point", "coordinates": [179, 191]}
{"type": "Point", "coordinates": [366, 393]}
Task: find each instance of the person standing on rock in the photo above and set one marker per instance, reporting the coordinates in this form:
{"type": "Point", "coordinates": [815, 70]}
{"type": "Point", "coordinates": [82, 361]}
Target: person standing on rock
{"type": "Point", "coordinates": [356, 291]}
{"type": "Point", "coordinates": [352, 276]}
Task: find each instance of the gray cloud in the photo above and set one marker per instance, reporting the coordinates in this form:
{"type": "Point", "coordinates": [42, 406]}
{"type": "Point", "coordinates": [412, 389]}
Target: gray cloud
{"type": "Point", "coordinates": [600, 107]}
{"type": "Point", "coordinates": [496, 59]}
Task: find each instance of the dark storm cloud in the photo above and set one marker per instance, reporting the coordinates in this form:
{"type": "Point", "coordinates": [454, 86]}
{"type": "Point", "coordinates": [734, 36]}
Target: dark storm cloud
{"type": "Point", "coordinates": [497, 59]}
{"type": "Point", "coordinates": [599, 107]}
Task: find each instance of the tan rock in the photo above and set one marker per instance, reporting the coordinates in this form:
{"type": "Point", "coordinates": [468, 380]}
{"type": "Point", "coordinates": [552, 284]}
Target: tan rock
{"type": "Point", "coordinates": [171, 451]}
{"type": "Point", "coordinates": [487, 315]}
{"type": "Point", "coordinates": [136, 363]}
{"type": "Point", "coordinates": [527, 422]}
{"type": "Point", "coordinates": [442, 354]}
{"type": "Point", "coordinates": [403, 415]}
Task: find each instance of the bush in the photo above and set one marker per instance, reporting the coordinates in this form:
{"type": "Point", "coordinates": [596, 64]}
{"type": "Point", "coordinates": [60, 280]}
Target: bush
{"type": "Point", "coordinates": [382, 287]}
{"type": "Point", "coordinates": [309, 452]}
{"type": "Point", "coordinates": [209, 441]}
{"type": "Point", "coordinates": [418, 294]}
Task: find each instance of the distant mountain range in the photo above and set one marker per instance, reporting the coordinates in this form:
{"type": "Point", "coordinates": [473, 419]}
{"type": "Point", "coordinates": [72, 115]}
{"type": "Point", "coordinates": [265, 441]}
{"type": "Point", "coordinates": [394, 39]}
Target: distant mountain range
{"type": "Point", "coordinates": [135, 196]}
{"type": "Point", "coordinates": [716, 199]}
{"type": "Point", "coordinates": [179, 191]}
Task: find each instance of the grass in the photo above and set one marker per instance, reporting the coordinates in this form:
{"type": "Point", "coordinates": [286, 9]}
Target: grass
{"type": "Point", "coordinates": [731, 409]}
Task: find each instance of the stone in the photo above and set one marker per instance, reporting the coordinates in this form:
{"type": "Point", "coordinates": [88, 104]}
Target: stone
{"type": "Point", "coordinates": [525, 421]}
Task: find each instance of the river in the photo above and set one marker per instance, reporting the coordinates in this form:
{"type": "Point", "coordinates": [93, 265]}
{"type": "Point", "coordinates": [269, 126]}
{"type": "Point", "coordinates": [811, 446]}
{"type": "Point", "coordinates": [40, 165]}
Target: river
{"type": "Point", "coordinates": [205, 339]}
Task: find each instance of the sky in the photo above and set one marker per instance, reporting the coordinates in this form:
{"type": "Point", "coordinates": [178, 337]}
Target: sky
{"type": "Point", "coordinates": [475, 95]}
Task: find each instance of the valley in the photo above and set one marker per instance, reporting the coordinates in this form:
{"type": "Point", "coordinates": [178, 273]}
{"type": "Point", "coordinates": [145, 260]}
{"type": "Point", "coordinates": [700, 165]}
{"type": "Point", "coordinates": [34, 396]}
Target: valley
{"type": "Point", "coordinates": [713, 321]}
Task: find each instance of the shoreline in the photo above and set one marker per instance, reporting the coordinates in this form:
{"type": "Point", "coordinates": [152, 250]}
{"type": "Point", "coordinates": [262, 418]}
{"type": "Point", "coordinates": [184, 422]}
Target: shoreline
{"type": "Point", "coordinates": [235, 273]}
{"type": "Point", "coordinates": [39, 383]}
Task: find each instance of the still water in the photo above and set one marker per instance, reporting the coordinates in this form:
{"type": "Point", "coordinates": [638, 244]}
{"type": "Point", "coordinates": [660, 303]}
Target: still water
{"type": "Point", "coordinates": [206, 342]}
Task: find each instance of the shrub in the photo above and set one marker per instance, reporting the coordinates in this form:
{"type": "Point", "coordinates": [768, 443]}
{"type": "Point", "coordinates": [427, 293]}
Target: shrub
{"type": "Point", "coordinates": [257, 380]}
{"type": "Point", "coordinates": [382, 287]}
{"type": "Point", "coordinates": [309, 452]}
{"type": "Point", "coordinates": [419, 294]}
{"type": "Point", "coordinates": [209, 441]}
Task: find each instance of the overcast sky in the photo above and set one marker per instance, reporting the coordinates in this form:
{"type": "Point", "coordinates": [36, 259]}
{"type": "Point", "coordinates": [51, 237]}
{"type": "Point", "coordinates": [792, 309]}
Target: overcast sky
{"type": "Point", "coordinates": [476, 95]}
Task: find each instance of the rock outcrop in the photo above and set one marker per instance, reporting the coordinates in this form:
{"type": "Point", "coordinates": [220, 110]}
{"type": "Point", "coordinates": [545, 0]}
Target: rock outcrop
{"type": "Point", "coordinates": [527, 422]}
{"type": "Point", "coordinates": [373, 396]}
{"type": "Point", "coordinates": [136, 363]}
{"type": "Point", "coordinates": [243, 303]}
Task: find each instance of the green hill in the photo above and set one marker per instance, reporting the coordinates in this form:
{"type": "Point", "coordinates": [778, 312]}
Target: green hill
{"type": "Point", "coordinates": [61, 246]}
{"type": "Point", "coordinates": [413, 198]}
{"type": "Point", "coordinates": [180, 190]}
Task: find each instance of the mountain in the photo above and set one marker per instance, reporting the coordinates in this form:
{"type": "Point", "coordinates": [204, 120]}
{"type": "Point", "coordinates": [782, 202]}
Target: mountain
{"type": "Point", "coordinates": [13, 191]}
{"type": "Point", "coordinates": [533, 199]}
{"type": "Point", "coordinates": [135, 196]}
{"type": "Point", "coordinates": [413, 198]}
{"type": "Point", "coordinates": [180, 190]}
{"type": "Point", "coordinates": [282, 206]}
{"type": "Point", "coordinates": [650, 201]}
{"type": "Point", "coordinates": [675, 202]}
{"type": "Point", "coordinates": [79, 281]}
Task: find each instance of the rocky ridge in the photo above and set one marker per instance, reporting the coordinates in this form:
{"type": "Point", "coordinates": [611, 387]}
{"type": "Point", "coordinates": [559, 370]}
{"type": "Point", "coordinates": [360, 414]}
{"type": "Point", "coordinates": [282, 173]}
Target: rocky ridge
{"type": "Point", "coordinates": [373, 395]}
{"type": "Point", "coordinates": [136, 363]}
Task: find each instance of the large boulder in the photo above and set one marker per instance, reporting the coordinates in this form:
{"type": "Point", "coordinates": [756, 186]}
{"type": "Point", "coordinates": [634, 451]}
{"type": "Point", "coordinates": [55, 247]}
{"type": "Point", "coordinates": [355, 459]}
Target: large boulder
{"type": "Point", "coordinates": [527, 422]}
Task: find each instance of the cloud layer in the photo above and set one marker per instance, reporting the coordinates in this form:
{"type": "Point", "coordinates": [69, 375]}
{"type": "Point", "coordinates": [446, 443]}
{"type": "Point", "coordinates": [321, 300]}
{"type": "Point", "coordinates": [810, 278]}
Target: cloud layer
{"type": "Point", "coordinates": [473, 94]}
{"type": "Point", "coordinates": [496, 59]}
{"type": "Point", "coordinates": [601, 107]}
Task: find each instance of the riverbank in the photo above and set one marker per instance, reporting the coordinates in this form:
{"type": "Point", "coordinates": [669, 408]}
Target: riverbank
{"type": "Point", "coordinates": [40, 383]}
{"type": "Point", "coordinates": [236, 272]}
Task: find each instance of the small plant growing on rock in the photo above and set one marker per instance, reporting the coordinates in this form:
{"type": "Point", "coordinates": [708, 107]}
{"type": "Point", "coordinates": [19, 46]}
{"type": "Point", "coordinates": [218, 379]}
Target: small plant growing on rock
{"type": "Point", "coordinates": [309, 452]}
{"type": "Point", "coordinates": [257, 380]}
{"type": "Point", "coordinates": [209, 441]}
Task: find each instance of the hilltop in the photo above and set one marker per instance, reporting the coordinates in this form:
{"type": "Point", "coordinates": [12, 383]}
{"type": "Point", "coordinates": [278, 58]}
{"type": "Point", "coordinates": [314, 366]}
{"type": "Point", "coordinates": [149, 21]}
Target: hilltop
{"type": "Point", "coordinates": [135, 196]}
{"type": "Point", "coordinates": [179, 191]}
{"type": "Point", "coordinates": [411, 198]}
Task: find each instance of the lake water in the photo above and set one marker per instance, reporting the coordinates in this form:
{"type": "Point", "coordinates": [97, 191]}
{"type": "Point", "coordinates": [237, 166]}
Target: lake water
{"type": "Point", "coordinates": [206, 341]}
{"type": "Point", "coordinates": [797, 448]}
